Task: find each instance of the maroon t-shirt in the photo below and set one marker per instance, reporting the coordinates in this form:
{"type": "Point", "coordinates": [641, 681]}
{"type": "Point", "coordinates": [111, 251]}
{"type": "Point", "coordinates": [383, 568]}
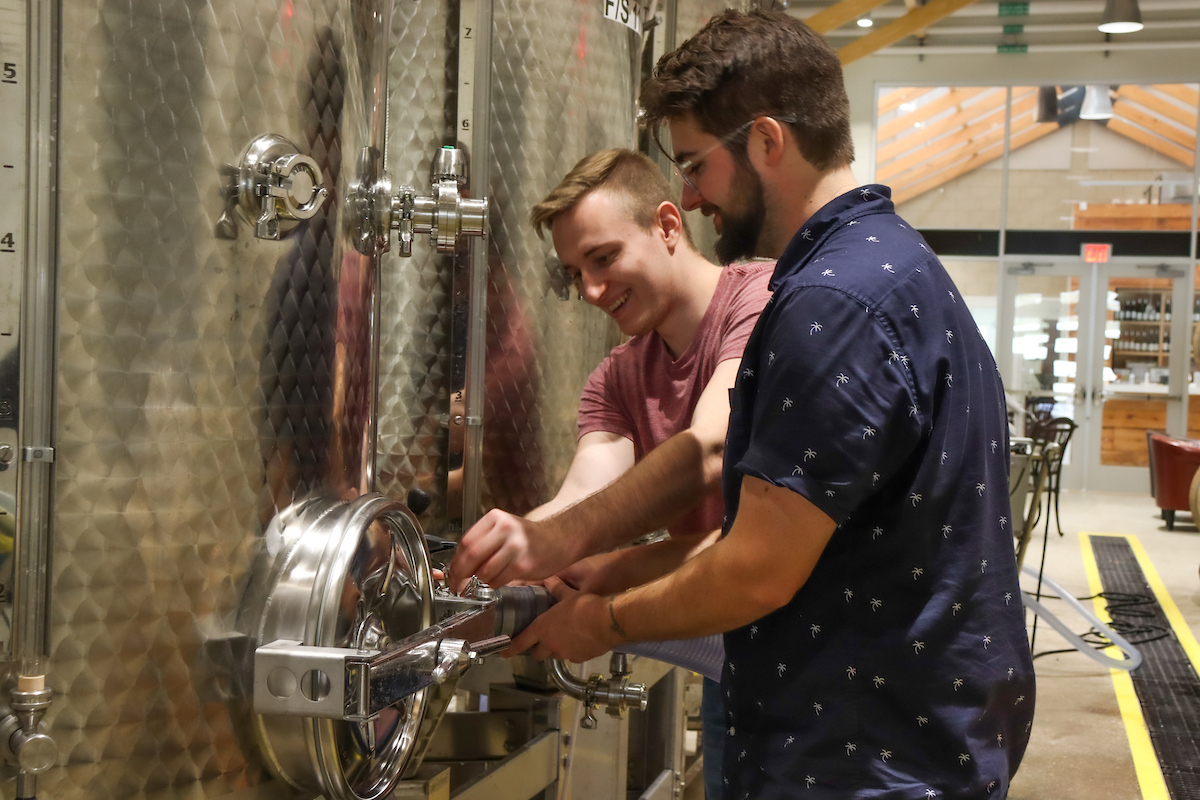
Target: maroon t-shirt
{"type": "Point", "coordinates": [644, 394]}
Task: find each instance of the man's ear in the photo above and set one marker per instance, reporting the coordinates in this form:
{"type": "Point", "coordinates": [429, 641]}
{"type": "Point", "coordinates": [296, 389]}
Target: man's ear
{"type": "Point", "coordinates": [767, 140]}
{"type": "Point", "coordinates": [670, 222]}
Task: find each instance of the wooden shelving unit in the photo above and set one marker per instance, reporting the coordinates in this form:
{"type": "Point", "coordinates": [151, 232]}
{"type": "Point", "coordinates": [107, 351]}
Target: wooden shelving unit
{"type": "Point", "coordinates": [1145, 318]}
{"type": "Point", "coordinates": [1144, 314]}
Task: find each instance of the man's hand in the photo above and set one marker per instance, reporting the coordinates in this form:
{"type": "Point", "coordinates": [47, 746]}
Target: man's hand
{"type": "Point", "coordinates": [590, 575]}
{"type": "Point", "coordinates": [576, 628]}
{"type": "Point", "coordinates": [503, 547]}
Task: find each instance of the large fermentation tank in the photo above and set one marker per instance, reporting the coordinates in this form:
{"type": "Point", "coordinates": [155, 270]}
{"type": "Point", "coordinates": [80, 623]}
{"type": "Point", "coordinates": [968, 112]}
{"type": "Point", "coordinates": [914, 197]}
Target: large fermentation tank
{"type": "Point", "coordinates": [209, 379]}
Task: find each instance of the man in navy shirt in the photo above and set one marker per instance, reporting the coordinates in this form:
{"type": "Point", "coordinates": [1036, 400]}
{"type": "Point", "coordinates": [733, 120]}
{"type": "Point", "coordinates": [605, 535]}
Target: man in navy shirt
{"type": "Point", "coordinates": [875, 639]}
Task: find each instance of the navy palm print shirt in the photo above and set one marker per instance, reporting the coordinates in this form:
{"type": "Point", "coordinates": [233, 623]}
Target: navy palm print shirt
{"type": "Point", "coordinates": [901, 668]}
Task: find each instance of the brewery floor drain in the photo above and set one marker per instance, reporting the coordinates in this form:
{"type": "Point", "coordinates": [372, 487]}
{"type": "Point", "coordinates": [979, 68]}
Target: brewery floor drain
{"type": "Point", "coordinates": [1167, 686]}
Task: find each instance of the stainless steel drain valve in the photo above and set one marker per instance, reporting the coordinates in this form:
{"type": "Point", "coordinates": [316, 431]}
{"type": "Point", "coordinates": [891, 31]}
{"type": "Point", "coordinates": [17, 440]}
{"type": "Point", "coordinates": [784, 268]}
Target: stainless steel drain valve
{"type": "Point", "coordinates": [277, 186]}
{"type": "Point", "coordinates": [447, 217]}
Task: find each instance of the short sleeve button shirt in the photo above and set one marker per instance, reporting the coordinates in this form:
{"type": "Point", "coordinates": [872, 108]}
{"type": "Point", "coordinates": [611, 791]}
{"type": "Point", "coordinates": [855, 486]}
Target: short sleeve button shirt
{"type": "Point", "coordinates": [901, 668]}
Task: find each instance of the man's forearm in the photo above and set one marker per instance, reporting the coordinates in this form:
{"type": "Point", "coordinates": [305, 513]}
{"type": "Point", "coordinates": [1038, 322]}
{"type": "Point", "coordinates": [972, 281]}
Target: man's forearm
{"type": "Point", "coordinates": [669, 481]}
{"type": "Point", "coordinates": [617, 571]}
{"type": "Point", "coordinates": [714, 592]}
{"type": "Point", "coordinates": [768, 555]}
{"type": "Point", "coordinates": [758, 567]}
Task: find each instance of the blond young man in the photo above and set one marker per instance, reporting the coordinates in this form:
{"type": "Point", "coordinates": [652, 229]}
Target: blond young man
{"type": "Point", "coordinates": [653, 415]}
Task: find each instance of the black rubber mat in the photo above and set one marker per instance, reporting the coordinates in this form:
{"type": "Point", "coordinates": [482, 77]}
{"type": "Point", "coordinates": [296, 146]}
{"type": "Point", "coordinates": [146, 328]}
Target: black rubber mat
{"type": "Point", "coordinates": [1167, 686]}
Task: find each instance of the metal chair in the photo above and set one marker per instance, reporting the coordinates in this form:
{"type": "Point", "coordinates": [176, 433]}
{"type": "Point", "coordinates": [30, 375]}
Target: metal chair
{"type": "Point", "coordinates": [1054, 431]}
{"type": "Point", "coordinates": [1038, 411]}
{"type": "Point", "coordinates": [1034, 471]}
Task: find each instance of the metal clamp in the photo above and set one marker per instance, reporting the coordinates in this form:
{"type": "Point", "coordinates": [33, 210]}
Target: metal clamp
{"type": "Point", "coordinates": [44, 455]}
{"type": "Point", "coordinates": [277, 185]}
{"type": "Point", "coordinates": [615, 693]}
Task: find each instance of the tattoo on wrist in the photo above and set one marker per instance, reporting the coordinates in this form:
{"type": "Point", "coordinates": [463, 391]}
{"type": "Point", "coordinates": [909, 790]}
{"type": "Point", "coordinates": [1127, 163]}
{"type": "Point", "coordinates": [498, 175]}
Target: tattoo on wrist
{"type": "Point", "coordinates": [612, 615]}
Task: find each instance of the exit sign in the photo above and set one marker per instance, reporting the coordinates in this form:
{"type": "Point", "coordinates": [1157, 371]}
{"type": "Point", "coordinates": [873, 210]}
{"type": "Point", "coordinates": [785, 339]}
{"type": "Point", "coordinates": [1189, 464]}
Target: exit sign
{"type": "Point", "coordinates": [1097, 253]}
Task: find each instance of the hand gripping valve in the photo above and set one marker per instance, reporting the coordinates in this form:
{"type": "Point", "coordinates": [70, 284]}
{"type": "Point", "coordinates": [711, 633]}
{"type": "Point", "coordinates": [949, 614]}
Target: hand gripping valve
{"type": "Point", "coordinates": [616, 693]}
{"type": "Point", "coordinates": [364, 681]}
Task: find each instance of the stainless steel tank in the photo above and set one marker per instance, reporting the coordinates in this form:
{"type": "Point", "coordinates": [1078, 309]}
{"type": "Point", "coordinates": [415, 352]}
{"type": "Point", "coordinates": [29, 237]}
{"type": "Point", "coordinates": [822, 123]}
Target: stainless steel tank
{"type": "Point", "coordinates": [209, 380]}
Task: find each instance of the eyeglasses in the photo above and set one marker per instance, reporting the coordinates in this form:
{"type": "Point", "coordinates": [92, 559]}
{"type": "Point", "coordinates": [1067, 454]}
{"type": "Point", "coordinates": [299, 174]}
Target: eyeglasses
{"type": "Point", "coordinates": [684, 169]}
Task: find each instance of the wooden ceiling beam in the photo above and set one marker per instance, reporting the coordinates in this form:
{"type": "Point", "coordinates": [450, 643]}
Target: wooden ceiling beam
{"type": "Point", "coordinates": [924, 136]}
{"type": "Point", "coordinates": [1158, 105]}
{"type": "Point", "coordinates": [907, 25]}
{"type": "Point", "coordinates": [1184, 94]}
{"type": "Point", "coordinates": [1036, 131]}
{"type": "Point", "coordinates": [926, 133]}
{"type": "Point", "coordinates": [839, 14]}
{"type": "Point", "coordinates": [983, 134]}
{"type": "Point", "coordinates": [977, 146]}
{"type": "Point", "coordinates": [923, 112]}
{"type": "Point", "coordinates": [1155, 125]}
{"type": "Point", "coordinates": [1181, 155]}
{"type": "Point", "coordinates": [892, 100]}
{"type": "Point", "coordinates": [911, 5]}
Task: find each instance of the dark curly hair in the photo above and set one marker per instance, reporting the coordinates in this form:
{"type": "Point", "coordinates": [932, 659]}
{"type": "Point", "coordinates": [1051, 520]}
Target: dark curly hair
{"type": "Point", "coordinates": [743, 65]}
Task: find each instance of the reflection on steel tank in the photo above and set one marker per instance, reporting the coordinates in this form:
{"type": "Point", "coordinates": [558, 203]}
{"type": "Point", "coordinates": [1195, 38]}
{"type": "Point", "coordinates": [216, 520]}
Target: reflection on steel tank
{"type": "Point", "coordinates": [301, 360]}
{"type": "Point", "coordinates": [513, 465]}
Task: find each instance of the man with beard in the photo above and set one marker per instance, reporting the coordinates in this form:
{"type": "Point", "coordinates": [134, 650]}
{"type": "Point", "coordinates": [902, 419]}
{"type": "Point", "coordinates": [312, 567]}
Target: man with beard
{"type": "Point", "coordinates": [875, 641]}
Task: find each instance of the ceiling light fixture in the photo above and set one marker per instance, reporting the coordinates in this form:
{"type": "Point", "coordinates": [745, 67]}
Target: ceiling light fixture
{"type": "Point", "coordinates": [1097, 103]}
{"type": "Point", "coordinates": [1121, 16]}
{"type": "Point", "coordinates": [865, 22]}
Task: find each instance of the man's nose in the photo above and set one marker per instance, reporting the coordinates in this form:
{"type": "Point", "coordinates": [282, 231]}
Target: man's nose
{"type": "Point", "coordinates": [691, 199]}
{"type": "Point", "coordinates": [593, 289]}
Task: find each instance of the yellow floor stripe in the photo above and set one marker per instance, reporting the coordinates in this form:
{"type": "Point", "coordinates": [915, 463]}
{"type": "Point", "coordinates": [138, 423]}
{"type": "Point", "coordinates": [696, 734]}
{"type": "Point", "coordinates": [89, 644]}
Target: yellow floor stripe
{"type": "Point", "coordinates": [1145, 761]}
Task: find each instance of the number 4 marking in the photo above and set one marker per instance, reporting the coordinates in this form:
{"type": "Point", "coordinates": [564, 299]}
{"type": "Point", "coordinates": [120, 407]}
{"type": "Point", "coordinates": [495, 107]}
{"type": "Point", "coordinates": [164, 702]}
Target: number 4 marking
{"type": "Point", "coordinates": [9, 243]}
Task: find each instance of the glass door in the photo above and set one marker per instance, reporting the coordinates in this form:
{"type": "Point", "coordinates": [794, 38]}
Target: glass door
{"type": "Point", "coordinates": [1046, 311]}
{"type": "Point", "coordinates": [1141, 372]}
{"type": "Point", "coordinates": [1103, 345]}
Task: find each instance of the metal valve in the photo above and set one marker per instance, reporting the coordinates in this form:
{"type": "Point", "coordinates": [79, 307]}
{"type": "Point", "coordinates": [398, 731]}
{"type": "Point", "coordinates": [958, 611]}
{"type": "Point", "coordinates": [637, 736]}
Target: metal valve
{"type": "Point", "coordinates": [23, 741]}
{"type": "Point", "coordinates": [447, 216]}
{"type": "Point", "coordinates": [615, 693]}
{"type": "Point", "coordinates": [277, 186]}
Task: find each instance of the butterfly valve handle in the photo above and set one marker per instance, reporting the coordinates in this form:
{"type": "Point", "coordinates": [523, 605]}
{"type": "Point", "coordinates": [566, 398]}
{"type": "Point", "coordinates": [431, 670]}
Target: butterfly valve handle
{"type": "Point", "coordinates": [447, 216]}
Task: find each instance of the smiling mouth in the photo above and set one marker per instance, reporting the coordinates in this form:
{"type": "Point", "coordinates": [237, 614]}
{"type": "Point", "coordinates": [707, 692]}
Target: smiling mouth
{"type": "Point", "coordinates": [620, 302]}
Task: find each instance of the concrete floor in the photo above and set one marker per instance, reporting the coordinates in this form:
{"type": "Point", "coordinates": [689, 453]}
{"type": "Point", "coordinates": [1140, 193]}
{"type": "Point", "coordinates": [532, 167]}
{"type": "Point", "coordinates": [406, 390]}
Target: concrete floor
{"type": "Point", "coordinates": [1079, 749]}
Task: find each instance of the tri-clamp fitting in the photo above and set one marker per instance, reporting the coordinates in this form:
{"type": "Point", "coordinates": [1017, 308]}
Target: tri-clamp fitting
{"type": "Point", "coordinates": [276, 186]}
{"type": "Point", "coordinates": [615, 693]}
{"type": "Point", "coordinates": [447, 216]}
{"type": "Point", "coordinates": [23, 741]}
